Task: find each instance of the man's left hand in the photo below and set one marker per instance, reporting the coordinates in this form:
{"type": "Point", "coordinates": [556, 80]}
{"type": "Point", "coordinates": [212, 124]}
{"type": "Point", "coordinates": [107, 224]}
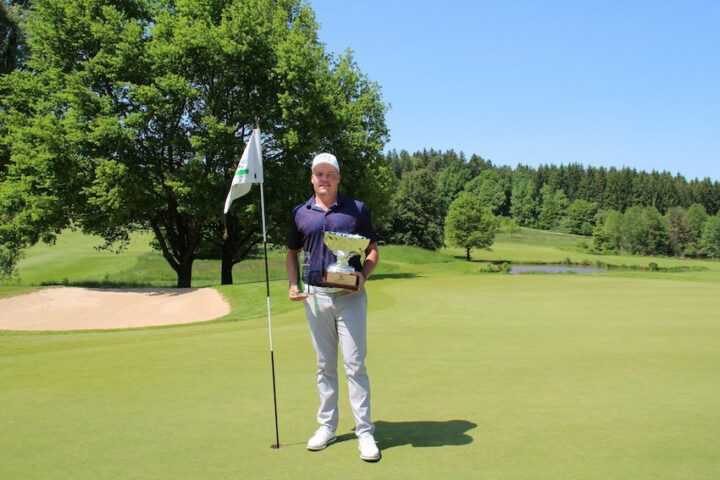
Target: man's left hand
{"type": "Point", "coordinates": [361, 281]}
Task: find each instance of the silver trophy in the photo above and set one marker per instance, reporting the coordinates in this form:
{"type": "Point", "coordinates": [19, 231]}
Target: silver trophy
{"type": "Point", "coordinates": [344, 246]}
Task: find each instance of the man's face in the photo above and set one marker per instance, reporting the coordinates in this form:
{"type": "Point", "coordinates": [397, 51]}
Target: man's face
{"type": "Point", "coordinates": [325, 179]}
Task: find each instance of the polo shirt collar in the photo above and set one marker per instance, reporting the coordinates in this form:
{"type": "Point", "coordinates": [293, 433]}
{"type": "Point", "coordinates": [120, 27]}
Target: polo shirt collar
{"type": "Point", "coordinates": [312, 204]}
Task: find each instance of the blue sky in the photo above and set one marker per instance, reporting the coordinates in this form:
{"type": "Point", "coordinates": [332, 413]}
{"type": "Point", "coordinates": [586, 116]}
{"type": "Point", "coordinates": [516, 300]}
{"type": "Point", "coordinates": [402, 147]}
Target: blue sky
{"type": "Point", "coordinates": [631, 83]}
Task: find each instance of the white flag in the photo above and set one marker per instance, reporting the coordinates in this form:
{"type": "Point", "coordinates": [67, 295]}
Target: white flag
{"type": "Point", "coordinates": [249, 170]}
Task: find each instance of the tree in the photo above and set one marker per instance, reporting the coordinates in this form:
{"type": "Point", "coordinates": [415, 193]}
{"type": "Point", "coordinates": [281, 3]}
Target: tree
{"type": "Point", "coordinates": [12, 53]}
{"type": "Point", "coordinates": [618, 193]}
{"type": "Point", "coordinates": [553, 209]}
{"type": "Point", "coordinates": [505, 179]}
{"type": "Point", "coordinates": [633, 238]}
{"type": "Point", "coordinates": [710, 240]}
{"type": "Point", "coordinates": [477, 164]}
{"type": "Point", "coordinates": [509, 225]}
{"type": "Point", "coordinates": [398, 162]}
{"type": "Point", "coordinates": [645, 231]}
{"type": "Point", "coordinates": [401, 163]}
{"type": "Point", "coordinates": [595, 185]}
{"type": "Point", "coordinates": [656, 237]}
{"type": "Point", "coordinates": [417, 211]}
{"type": "Point", "coordinates": [470, 224]}
{"type": "Point", "coordinates": [678, 230]}
{"type": "Point", "coordinates": [524, 208]}
{"type": "Point", "coordinates": [451, 182]}
{"type": "Point", "coordinates": [580, 217]}
{"type": "Point", "coordinates": [707, 193]}
{"type": "Point", "coordinates": [156, 100]}
{"type": "Point", "coordinates": [696, 217]}
{"type": "Point", "coordinates": [609, 232]}
{"type": "Point", "coordinates": [488, 188]}
{"type": "Point", "coordinates": [39, 178]}
{"type": "Point", "coordinates": [574, 175]}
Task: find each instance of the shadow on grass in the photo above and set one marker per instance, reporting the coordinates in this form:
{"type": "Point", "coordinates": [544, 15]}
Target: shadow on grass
{"type": "Point", "coordinates": [419, 434]}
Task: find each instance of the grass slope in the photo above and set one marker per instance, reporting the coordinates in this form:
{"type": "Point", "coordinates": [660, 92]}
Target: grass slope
{"type": "Point", "coordinates": [609, 376]}
{"type": "Point", "coordinates": [75, 260]}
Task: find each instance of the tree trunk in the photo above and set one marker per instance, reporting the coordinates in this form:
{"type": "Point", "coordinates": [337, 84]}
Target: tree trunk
{"type": "Point", "coordinates": [186, 251]}
{"type": "Point", "coordinates": [467, 254]}
{"type": "Point", "coordinates": [226, 276]}
{"type": "Point", "coordinates": [184, 274]}
{"type": "Point", "coordinates": [237, 244]}
{"type": "Point", "coordinates": [8, 57]}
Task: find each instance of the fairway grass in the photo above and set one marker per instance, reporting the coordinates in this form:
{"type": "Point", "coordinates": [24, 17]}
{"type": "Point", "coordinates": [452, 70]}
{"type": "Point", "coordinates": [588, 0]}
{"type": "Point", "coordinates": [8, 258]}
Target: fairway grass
{"type": "Point", "coordinates": [609, 376]}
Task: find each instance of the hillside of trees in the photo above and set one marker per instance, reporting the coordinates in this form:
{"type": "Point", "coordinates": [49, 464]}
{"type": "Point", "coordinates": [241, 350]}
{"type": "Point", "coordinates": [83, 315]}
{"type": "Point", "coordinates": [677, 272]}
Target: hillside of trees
{"type": "Point", "coordinates": [623, 210]}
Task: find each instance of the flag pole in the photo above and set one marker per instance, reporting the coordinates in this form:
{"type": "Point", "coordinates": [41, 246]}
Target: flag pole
{"type": "Point", "coordinates": [249, 171]}
{"type": "Point", "coordinates": [269, 315]}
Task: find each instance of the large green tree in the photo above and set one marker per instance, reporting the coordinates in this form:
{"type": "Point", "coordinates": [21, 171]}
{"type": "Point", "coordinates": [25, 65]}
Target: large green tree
{"type": "Point", "coordinates": [451, 182]}
{"type": "Point", "coordinates": [618, 193]}
{"type": "Point", "coordinates": [678, 230]}
{"type": "Point", "coordinates": [417, 212]}
{"type": "Point", "coordinates": [580, 217]}
{"type": "Point", "coordinates": [470, 223]}
{"type": "Point", "coordinates": [657, 236]}
{"type": "Point", "coordinates": [489, 188]}
{"type": "Point", "coordinates": [633, 230]}
{"type": "Point", "coordinates": [553, 209]}
{"type": "Point", "coordinates": [706, 193]}
{"type": "Point", "coordinates": [645, 231]}
{"type": "Point", "coordinates": [155, 100]}
{"type": "Point", "coordinates": [524, 208]}
{"type": "Point", "coordinates": [609, 232]}
{"type": "Point", "coordinates": [696, 216]}
{"type": "Point", "coordinates": [39, 173]}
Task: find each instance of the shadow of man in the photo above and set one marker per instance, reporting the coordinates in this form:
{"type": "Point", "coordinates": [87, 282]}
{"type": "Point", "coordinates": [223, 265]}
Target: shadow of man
{"type": "Point", "coordinates": [423, 434]}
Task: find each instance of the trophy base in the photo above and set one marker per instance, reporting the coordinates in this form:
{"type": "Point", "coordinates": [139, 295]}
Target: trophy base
{"type": "Point", "coordinates": [344, 280]}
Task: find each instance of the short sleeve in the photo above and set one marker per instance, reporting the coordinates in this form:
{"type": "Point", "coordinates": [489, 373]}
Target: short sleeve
{"type": "Point", "coordinates": [295, 237]}
{"type": "Point", "coordinates": [365, 226]}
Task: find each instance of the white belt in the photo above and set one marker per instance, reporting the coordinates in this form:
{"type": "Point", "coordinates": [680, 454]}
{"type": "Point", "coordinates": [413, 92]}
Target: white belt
{"type": "Point", "coordinates": [315, 289]}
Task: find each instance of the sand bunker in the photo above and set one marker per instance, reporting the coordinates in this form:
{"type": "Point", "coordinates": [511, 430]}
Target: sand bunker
{"type": "Point", "coordinates": [73, 308]}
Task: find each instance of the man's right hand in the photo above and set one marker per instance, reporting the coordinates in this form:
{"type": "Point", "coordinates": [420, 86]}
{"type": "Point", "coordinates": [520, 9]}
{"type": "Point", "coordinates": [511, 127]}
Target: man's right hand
{"type": "Point", "coordinates": [295, 294]}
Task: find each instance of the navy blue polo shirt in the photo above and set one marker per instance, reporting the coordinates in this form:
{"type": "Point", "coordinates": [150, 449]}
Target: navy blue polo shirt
{"type": "Point", "coordinates": [308, 224]}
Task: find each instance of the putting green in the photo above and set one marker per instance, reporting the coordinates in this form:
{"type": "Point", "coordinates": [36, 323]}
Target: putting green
{"type": "Point", "coordinates": [474, 376]}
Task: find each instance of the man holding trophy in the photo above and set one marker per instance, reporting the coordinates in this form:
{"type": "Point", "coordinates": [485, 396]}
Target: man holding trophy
{"type": "Point", "coordinates": [333, 230]}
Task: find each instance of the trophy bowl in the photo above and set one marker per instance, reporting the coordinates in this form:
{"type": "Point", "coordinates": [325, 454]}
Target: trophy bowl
{"type": "Point", "coordinates": [345, 246]}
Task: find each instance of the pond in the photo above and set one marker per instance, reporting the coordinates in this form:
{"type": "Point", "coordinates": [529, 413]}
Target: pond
{"type": "Point", "coordinates": [553, 269]}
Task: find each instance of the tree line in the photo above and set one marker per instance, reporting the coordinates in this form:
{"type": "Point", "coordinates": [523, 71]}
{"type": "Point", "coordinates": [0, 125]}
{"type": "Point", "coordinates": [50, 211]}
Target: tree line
{"type": "Point", "coordinates": [624, 210]}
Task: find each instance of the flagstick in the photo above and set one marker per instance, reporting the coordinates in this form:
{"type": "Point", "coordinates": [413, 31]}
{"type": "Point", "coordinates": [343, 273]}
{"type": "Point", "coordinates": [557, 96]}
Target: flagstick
{"type": "Point", "coordinates": [267, 288]}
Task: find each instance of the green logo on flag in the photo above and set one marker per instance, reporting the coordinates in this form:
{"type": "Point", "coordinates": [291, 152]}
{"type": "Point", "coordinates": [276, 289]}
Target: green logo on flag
{"type": "Point", "coordinates": [243, 171]}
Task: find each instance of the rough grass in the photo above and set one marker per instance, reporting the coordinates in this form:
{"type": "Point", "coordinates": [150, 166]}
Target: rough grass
{"type": "Point", "coordinates": [610, 376]}
{"type": "Point", "coordinates": [75, 260]}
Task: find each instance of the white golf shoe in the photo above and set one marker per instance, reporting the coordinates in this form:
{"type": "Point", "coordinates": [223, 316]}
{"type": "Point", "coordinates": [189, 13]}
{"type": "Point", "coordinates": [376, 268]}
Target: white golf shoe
{"type": "Point", "coordinates": [368, 448]}
{"type": "Point", "coordinates": [322, 438]}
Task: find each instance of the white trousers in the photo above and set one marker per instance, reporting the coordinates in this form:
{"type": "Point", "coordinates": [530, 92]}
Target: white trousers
{"type": "Point", "coordinates": [340, 318]}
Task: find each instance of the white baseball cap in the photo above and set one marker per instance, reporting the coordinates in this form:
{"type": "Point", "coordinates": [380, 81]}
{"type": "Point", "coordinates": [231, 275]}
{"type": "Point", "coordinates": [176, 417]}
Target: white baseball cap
{"type": "Point", "coordinates": [328, 158]}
